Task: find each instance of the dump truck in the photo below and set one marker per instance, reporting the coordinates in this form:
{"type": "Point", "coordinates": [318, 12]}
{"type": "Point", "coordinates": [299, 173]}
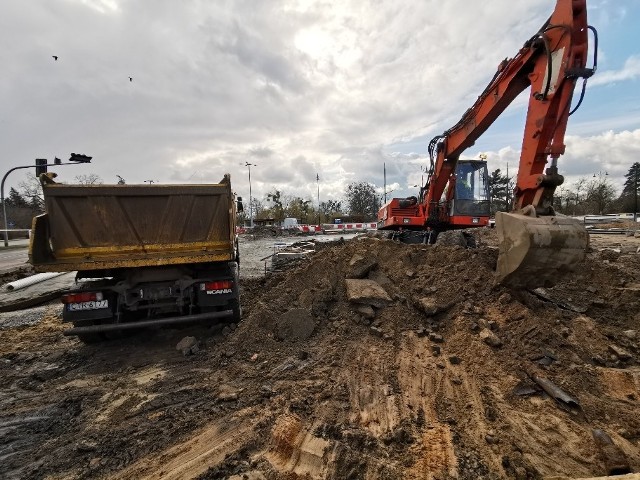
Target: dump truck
{"type": "Point", "coordinates": [145, 255]}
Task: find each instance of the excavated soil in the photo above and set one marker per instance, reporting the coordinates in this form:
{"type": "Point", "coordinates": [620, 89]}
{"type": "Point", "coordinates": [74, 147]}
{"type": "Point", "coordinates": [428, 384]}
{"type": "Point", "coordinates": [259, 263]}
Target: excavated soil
{"type": "Point", "coordinates": [307, 386]}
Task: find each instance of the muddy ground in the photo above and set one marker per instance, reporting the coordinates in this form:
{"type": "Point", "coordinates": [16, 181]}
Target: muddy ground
{"type": "Point", "coordinates": [436, 385]}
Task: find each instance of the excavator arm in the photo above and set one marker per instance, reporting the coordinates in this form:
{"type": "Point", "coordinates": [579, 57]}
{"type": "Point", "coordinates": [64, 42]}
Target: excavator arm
{"type": "Point", "coordinates": [549, 64]}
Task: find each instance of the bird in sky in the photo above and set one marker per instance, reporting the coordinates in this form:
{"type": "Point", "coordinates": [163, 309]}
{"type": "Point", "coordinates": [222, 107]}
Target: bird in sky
{"type": "Point", "coordinates": [55, 57]}
{"type": "Point", "coordinates": [130, 79]}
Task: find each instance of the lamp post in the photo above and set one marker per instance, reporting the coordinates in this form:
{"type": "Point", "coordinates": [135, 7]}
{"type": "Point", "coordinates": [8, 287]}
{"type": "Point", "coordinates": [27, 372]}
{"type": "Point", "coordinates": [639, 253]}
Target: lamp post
{"type": "Point", "coordinates": [40, 166]}
{"type": "Point", "coordinates": [249, 165]}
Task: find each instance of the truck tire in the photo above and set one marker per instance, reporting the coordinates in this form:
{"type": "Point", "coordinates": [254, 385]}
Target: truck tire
{"type": "Point", "coordinates": [89, 338]}
{"type": "Point", "coordinates": [235, 303]}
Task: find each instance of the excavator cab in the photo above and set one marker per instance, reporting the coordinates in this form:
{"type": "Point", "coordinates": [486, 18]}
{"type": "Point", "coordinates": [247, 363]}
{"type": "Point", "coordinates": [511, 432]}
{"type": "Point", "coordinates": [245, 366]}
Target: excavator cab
{"type": "Point", "coordinates": [470, 206]}
{"type": "Point", "coordinates": [471, 195]}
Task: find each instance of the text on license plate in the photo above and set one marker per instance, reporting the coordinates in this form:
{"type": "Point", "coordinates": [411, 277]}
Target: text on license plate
{"type": "Point", "coordinates": [88, 305]}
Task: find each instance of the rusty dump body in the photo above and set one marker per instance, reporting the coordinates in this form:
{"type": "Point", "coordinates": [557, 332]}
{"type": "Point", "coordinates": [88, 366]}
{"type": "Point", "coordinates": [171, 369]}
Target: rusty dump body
{"type": "Point", "coordinates": [101, 227]}
{"type": "Point", "coordinates": [149, 254]}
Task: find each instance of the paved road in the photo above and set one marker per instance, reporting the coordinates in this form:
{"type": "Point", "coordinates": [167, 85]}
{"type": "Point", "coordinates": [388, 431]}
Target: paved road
{"type": "Point", "coordinates": [15, 256]}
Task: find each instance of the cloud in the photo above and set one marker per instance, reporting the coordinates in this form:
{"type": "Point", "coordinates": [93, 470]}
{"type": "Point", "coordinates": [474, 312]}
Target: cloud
{"type": "Point", "coordinates": [611, 153]}
{"type": "Point", "coordinates": [297, 88]}
{"type": "Point", "coordinates": [630, 71]}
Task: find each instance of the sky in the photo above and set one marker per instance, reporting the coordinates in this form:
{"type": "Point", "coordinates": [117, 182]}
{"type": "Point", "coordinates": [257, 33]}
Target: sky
{"type": "Point", "coordinates": [186, 91]}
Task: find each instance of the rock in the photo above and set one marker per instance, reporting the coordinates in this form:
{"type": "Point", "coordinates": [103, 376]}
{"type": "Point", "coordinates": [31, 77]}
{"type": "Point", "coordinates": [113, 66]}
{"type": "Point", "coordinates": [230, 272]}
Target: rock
{"type": "Point", "coordinates": [254, 357]}
{"type": "Point", "coordinates": [228, 396]}
{"type": "Point", "coordinates": [456, 381]}
{"type": "Point", "coordinates": [359, 267]}
{"type": "Point", "coordinates": [366, 311]}
{"type": "Point", "coordinates": [591, 289]}
{"type": "Point", "coordinates": [366, 292]}
{"type": "Point", "coordinates": [598, 302]}
{"type": "Point", "coordinates": [435, 350]}
{"type": "Point", "coordinates": [422, 332]}
{"type": "Point", "coordinates": [474, 327]}
{"type": "Point", "coordinates": [376, 331]}
{"type": "Point", "coordinates": [490, 338]}
{"type": "Point", "coordinates": [630, 334]}
{"type": "Point", "coordinates": [493, 326]}
{"type": "Point", "coordinates": [188, 346]}
{"type": "Point", "coordinates": [434, 337]}
{"type": "Point", "coordinates": [505, 298]}
{"type": "Point", "coordinates": [305, 300]}
{"type": "Point", "coordinates": [410, 273]}
{"type": "Point", "coordinates": [95, 463]}
{"type": "Point", "coordinates": [620, 353]}
{"type": "Point", "coordinates": [296, 324]}
{"type": "Point", "coordinates": [454, 360]}
{"type": "Point", "coordinates": [86, 446]}
{"type": "Point", "coordinates": [490, 439]}
{"type": "Point", "coordinates": [428, 306]}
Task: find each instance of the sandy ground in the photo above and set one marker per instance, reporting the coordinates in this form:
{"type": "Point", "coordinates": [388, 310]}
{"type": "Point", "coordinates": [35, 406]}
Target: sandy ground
{"type": "Point", "coordinates": [308, 385]}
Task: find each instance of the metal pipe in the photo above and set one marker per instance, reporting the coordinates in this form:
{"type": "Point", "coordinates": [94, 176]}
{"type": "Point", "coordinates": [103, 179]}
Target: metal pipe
{"type": "Point", "coordinates": [32, 280]}
{"type": "Point", "coordinates": [113, 327]}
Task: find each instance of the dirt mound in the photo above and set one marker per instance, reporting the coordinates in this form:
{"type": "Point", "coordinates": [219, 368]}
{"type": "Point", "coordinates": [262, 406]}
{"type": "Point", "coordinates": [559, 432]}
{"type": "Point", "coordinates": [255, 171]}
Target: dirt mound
{"type": "Point", "coordinates": [438, 382]}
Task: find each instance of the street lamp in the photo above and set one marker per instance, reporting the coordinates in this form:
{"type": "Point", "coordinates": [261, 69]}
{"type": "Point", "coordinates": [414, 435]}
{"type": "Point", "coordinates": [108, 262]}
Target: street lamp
{"type": "Point", "coordinates": [249, 165]}
{"type": "Point", "coordinates": [41, 167]}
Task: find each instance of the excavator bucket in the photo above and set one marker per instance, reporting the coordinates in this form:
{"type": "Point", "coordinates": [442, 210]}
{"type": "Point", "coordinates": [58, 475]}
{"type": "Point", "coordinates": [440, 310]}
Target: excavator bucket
{"type": "Point", "coordinates": [537, 251]}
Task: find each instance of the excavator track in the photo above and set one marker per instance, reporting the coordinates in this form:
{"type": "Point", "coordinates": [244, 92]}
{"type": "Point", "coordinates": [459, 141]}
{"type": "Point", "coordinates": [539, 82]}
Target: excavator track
{"type": "Point", "coordinates": [536, 251]}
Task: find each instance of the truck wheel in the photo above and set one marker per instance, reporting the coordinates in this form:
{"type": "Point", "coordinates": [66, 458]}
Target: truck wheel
{"type": "Point", "coordinates": [235, 303]}
{"type": "Point", "coordinates": [237, 311]}
{"type": "Point", "coordinates": [89, 338]}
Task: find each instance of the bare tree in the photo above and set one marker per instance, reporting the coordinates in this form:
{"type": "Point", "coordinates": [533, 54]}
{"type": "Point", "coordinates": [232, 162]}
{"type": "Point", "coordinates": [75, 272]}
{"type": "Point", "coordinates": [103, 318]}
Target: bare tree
{"type": "Point", "coordinates": [31, 191]}
{"type": "Point", "coordinates": [600, 194]}
{"type": "Point", "coordinates": [90, 179]}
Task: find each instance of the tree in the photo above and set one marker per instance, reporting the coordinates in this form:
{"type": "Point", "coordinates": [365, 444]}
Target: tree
{"type": "Point", "coordinates": [499, 189]}
{"type": "Point", "coordinates": [299, 208]}
{"type": "Point", "coordinates": [277, 209]}
{"type": "Point", "coordinates": [330, 209]}
{"type": "Point", "coordinates": [31, 190]}
{"type": "Point", "coordinates": [600, 195]}
{"type": "Point", "coordinates": [362, 200]}
{"type": "Point", "coordinates": [631, 189]}
{"type": "Point", "coordinates": [90, 179]}
{"type": "Point", "coordinates": [16, 200]}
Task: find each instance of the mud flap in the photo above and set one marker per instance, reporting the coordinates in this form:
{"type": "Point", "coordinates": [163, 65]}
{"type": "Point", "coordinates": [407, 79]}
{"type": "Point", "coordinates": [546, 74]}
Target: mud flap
{"type": "Point", "coordinates": [537, 251]}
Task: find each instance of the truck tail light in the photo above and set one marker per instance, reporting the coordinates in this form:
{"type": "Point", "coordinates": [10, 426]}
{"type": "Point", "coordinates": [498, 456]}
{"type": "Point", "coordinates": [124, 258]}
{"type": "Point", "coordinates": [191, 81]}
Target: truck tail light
{"type": "Point", "coordinates": [82, 297]}
{"type": "Point", "coordinates": [219, 285]}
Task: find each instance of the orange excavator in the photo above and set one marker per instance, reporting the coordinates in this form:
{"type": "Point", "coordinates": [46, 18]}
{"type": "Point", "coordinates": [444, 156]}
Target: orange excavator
{"type": "Point", "coordinates": [535, 243]}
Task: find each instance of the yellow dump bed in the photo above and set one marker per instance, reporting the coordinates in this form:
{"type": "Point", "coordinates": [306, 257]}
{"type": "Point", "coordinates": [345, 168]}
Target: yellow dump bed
{"type": "Point", "coordinates": [97, 227]}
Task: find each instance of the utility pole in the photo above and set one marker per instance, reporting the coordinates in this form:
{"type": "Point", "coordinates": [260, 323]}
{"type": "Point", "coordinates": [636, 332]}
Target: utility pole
{"type": "Point", "coordinates": [318, 183]}
{"type": "Point", "coordinates": [508, 186]}
{"type": "Point", "coordinates": [384, 172]}
{"type": "Point", "coordinates": [249, 165]}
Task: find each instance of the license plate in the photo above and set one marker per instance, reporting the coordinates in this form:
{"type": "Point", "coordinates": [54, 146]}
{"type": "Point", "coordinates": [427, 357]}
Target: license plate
{"type": "Point", "coordinates": [72, 307]}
